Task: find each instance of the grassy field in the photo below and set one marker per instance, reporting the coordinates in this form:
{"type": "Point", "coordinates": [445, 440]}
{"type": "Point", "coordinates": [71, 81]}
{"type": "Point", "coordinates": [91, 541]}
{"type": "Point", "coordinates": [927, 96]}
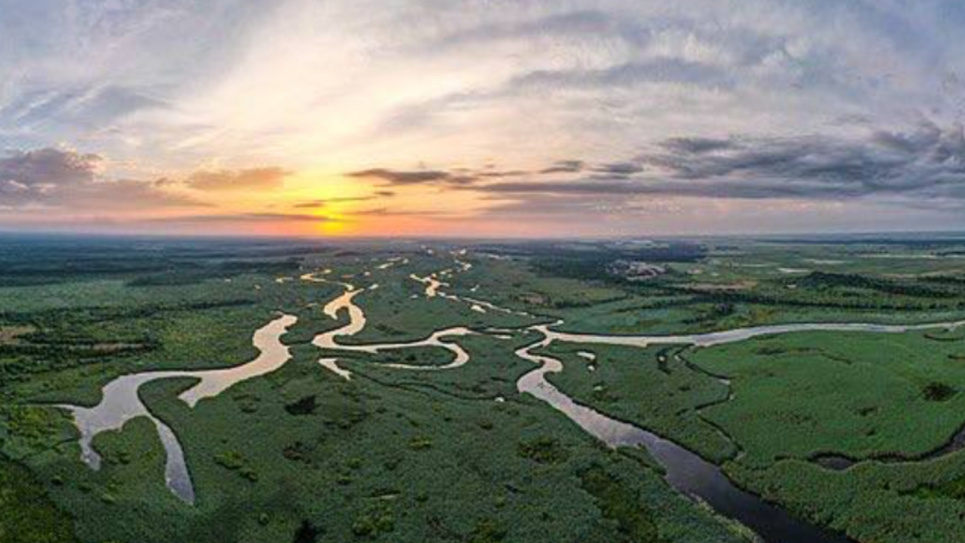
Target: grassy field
{"type": "Point", "coordinates": [856, 394]}
{"type": "Point", "coordinates": [651, 388]}
{"type": "Point", "coordinates": [303, 455]}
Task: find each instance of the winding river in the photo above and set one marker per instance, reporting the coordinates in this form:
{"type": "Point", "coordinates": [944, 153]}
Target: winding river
{"type": "Point", "coordinates": [684, 470]}
{"type": "Point", "coordinates": [121, 402]}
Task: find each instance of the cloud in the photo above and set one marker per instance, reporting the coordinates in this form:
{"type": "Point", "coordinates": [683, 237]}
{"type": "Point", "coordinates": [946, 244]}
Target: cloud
{"type": "Point", "coordinates": [564, 166]}
{"type": "Point", "coordinates": [663, 70]}
{"type": "Point", "coordinates": [923, 167]}
{"type": "Point", "coordinates": [314, 204]}
{"type": "Point", "coordinates": [695, 145]}
{"type": "Point", "coordinates": [413, 177]}
{"type": "Point", "coordinates": [389, 212]}
{"type": "Point", "coordinates": [928, 162]}
{"type": "Point", "coordinates": [88, 107]}
{"type": "Point", "coordinates": [317, 204]}
{"type": "Point", "coordinates": [35, 173]}
{"type": "Point", "coordinates": [254, 178]}
{"type": "Point", "coordinates": [242, 218]}
{"type": "Point", "coordinates": [619, 168]}
{"type": "Point", "coordinates": [46, 176]}
{"type": "Point", "coordinates": [577, 24]}
{"type": "Point", "coordinates": [49, 177]}
{"type": "Point", "coordinates": [494, 174]}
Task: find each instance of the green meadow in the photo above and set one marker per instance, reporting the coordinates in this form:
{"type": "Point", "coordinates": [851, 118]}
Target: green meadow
{"type": "Point", "coordinates": [844, 430]}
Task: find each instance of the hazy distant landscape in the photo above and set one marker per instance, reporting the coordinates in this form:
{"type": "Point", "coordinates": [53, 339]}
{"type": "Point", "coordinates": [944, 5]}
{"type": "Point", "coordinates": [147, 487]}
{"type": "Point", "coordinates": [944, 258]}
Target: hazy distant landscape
{"type": "Point", "coordinates": [683, 390]}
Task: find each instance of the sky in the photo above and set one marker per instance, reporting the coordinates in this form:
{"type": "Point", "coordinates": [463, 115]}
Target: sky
{"type": "Point", "coordinates": [487, 118]}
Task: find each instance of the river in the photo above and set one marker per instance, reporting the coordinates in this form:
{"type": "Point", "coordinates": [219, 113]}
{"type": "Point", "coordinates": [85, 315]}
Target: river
{"type": "Point", "coordinates": [121, 402]}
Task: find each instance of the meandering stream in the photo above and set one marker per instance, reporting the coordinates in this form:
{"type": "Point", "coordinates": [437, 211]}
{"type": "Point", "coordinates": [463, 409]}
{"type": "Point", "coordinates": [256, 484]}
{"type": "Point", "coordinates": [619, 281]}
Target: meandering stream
{"type": "Point", "coordinates": [121, 402]}
{"type": "Point", "coordinates": [684, 470]}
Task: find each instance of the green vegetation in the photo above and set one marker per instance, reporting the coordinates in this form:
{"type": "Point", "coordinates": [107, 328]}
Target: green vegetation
{"type": "Point", "coordinates": [857, 394]}
{"type": "Point", "coordinates": [652, 388]}
{"type": "Point", "coordinates": [303, 455]}
{"type": "Point", "coordinates": [618, 503]}
{"type": "Point", "coordinates": [543, 450]}
{"type": "Point", "coordinates": [27, 515]}
{"type": "Point", "coordinates": [797, 397]}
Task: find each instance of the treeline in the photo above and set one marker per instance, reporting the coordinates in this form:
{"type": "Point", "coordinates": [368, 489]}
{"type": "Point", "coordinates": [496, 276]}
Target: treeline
{"type": "Point", "coordinates": [52, 351]}
{"type": "Point", "coordinates": [22, 360]}
{"type": "Point", "coordinates": [666, 302]}
{"type": "Point", "coordinates": [952, 280]}
{"type": "Point", "coordinates": [711, 314]}
{"type": "Point", "coordinates": [38, 260]}
{"type": "Point", "coordinates": [812, 299]}
{"type": "Point", "coordinates": [50, 318]}
{"type": "Point", "coordinates": [820, 280]}
{"type": "Point", "coordinates": [919, 244]}
{"type": "Point", "coordinates": [223, 269]}
{"type": "Point", "coordinates": [45, 273]}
